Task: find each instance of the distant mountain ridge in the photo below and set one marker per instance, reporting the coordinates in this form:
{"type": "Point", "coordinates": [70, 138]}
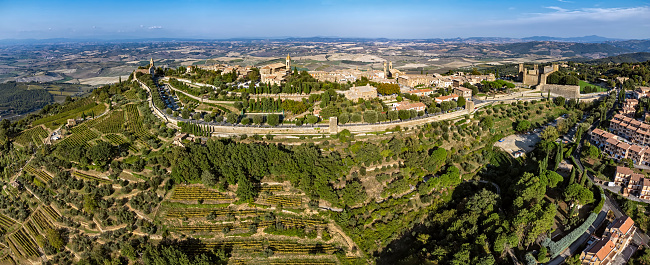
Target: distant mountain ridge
{"type": "Point", "coordinates": [636, 57]}
{"type": "Point", "coordinates": [585, 39]}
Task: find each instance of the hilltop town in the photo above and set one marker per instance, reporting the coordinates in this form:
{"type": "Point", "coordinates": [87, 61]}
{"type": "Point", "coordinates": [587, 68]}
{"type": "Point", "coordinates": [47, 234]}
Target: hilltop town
{"type": "Point", "coordinates": [278, 162]}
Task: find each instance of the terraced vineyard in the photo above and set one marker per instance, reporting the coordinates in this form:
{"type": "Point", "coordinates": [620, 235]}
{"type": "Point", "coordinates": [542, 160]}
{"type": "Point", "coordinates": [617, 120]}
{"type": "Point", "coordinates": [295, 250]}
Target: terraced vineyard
{"type": "Point", "coordinates": [74, 110]}
{"type": "Point", "coordinates": [31, 229]}
{"type": "Point", "coordinates": [34, 135]}
{"type": "Point", "coordinates": [89, 177]}
{"type": "Point", "coordinates": [194, 193]}
{"type": "Point", "coordinates": [134, 124]}
{"type": "Point", "coordinates": [270, 188]}
{"type": "Point", "coordinates": [41, 221]}
{"type": "Point", "coordinates": [6, 222]}
{"type": "Point", "coordinates": [23, 244]}
{"type": "Point", "coordinates": [38, 173]}
{"type": "Point", "coordinates": [81, 135]}
{"type": "Point", "coordinates": [131, 95]}
{"type": "Point", "coordinates": [302, 262]}
{"type": "Point", "coordinates": [112, 123]}
{"type": "Point", "coordinates": [118, 140]}
{"type": "Point", "coordinates": [286, 201]}
{"type": "Point", "coordinates": [218, 227]}
{"type": "Point", "coordinates": [202, 212]}
{"type": "Point", "coordinates": [7, 260]}
{"type": "Point", "coordinates": [256, 246]}
{"type": "Point", "coordinates": [48, 210]}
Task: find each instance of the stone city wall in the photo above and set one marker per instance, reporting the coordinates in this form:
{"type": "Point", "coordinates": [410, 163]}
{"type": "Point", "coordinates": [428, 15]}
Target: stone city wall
{"type": "Point", "coordinates": [562, 90]}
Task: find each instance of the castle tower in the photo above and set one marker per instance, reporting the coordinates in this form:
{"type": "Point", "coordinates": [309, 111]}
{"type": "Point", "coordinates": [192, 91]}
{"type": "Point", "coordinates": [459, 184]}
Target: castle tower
{"type": "Point", "coordinates": [288, 63]}
{"type": "Point", "coordinates": [152, 69]}
{"type": "Point", "coordinates": [521, 67]}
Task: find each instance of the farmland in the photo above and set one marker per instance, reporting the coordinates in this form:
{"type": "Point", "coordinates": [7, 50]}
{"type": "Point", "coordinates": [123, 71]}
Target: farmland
{"type": "Point", "coordinates": [32, 136]}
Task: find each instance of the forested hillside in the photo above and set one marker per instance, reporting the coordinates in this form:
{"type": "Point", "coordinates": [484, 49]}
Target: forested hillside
{"type": "Point", "coordinates": [17, 98]}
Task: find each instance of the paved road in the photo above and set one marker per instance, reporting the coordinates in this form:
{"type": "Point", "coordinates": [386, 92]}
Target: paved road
{"type": "Point", "coordinates": [576, 246]}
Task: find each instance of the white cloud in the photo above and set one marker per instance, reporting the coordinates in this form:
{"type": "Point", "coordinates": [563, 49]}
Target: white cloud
{"type": "Point", "coordinates": [155, 27]}
{"type": "Point", "coordinates": [565, 1]}
{"type": "Point", "coordinates": [583, 14]}
{"type": "Point", "coordinates": [559, 9]}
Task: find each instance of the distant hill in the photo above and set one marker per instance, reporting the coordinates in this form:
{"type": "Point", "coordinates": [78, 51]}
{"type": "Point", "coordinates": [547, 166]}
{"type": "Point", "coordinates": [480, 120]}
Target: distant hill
{"type": "Point", "coordinates": [636, 57]}
{"type": "Point", "coordinates": [566, 49]}
{"type": "Point", "coordinates": [585, 39]}
{"type": "Point", "coordinates": [633, 45]}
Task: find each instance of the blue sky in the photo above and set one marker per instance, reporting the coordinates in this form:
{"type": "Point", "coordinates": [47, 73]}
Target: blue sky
{"type": "Point", "coordinates": [307, 18]}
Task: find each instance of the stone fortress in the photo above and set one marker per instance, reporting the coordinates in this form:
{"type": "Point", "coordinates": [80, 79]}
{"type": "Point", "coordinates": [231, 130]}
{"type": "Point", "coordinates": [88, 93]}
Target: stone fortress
{"type": "Point", "coordinates": [537, 78]}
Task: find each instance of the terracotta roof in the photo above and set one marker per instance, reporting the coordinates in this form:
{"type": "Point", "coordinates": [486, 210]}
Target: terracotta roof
{"type": "Point", "coordinates": [602, 248]}
{"type": "Point", "coordinates": [597, 131]}
{"type": "Point", "coordinates": [612, 141]}
{"type": "Point", "coordinates": [623, 145]}
{"type": "Point", "coordinates": [636, 148]}
{"type": "Point", "coordinates": [624, 170]}
{"type": "Point", "coordinates": [463, 88]}
{"type": "Point", "coordinates": [419, 91]}
{"type": "Point", "coordinates": [447, 97]}
{"type": "Point", "coordinates": [623, 223]}
{"type": "Point", "coordinates": [636, 177]}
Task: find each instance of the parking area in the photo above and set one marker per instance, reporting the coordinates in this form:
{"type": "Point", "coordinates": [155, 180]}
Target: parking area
{"type": "Point", "coordinates": [519, 142]}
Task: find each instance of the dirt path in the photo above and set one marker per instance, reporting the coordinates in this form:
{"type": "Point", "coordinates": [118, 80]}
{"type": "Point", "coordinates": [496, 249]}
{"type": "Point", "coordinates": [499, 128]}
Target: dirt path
{"type": "Point", "coordinates": [141, 215]}
{"type": "Point", "coordinates": [351, 245]}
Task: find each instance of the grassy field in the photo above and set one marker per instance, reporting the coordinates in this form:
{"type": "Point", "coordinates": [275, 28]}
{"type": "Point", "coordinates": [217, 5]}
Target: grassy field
{"type": "Point", "coordinates": [584, 84]}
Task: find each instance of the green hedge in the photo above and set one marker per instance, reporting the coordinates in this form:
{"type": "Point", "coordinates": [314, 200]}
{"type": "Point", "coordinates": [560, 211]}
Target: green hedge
{"type": "Point", "coordinates": [556, 248]}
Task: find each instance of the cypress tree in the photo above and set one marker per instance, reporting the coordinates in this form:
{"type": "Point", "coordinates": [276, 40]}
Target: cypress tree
{"type": "Point", "coordinates": [572, 178]}
{"type": "Point", "coordinates": [558, 156]}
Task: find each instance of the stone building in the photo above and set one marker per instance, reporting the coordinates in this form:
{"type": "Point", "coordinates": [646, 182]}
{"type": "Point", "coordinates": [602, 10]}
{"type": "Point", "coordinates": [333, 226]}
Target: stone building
{"type": "Point", "coordinates": [535, 77]}
{"type": "Point", "coordinates": [365, 92]}
{"type": "Point", "coordinates": [149, 70]}
{"type": "Point", "coordinates": [464, 92]}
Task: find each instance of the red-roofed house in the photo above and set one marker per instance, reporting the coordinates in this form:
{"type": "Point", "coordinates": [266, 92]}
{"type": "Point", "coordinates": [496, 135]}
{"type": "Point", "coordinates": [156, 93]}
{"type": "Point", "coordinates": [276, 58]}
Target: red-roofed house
{"type": "Point", "coordinates": [599, 252]}
{"type": "Point", "coordinates": [421, 92]}
{"type": "Point", "coordinates": [446, 98]}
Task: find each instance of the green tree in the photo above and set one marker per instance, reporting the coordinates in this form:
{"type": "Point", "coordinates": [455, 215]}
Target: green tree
{"type": "Point", "coordinates": [461, 101]}
{"type": "Point", "coordinates": [90, 204]}
{"type": "Point", "coordinates": [55, 239]}
{"type": "Point", "coordinates": [258, 119]}
{"type": "Point", "coordinates": [311, 119]}
{"type": "Point", "coordinates": [370, 116]}
{"type": "Point", "coordinates": [232, 118]}
{"type": "Point", "coordinates": [549, 134]}
{"type": "Point", "coordinates": [523, 125]}
{"type": "Point", "coordinates": [273, 119]}
{"type": "Point", "coordinates": [579, 194]}
{"type": "Point", "coordinates": [392, 115]}
{"type": "Point", "coordinates": [344, 118]}
{"type": "Point", "coordinates": [487, 122]}
{"type": "Point", "coordinates": [185, 113]}
{"type": "Point", "coordinates": [404, 114]}
{"type": "Point", "coordinates": [208, 178]}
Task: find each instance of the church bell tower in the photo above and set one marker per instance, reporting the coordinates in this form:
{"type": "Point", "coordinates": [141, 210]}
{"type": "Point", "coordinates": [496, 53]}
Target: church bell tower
{"type": "Point", "coordinates": [288, 63]}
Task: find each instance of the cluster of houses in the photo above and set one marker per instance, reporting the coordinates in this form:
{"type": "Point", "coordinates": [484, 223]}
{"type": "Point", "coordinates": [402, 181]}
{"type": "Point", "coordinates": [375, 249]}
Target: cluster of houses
{"type": "Point", "coordinates": [633, 183]}
{"type": "Point", "coordinates": [617, 236]}
{"type": "Point", "coordinates": [629, 139]}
